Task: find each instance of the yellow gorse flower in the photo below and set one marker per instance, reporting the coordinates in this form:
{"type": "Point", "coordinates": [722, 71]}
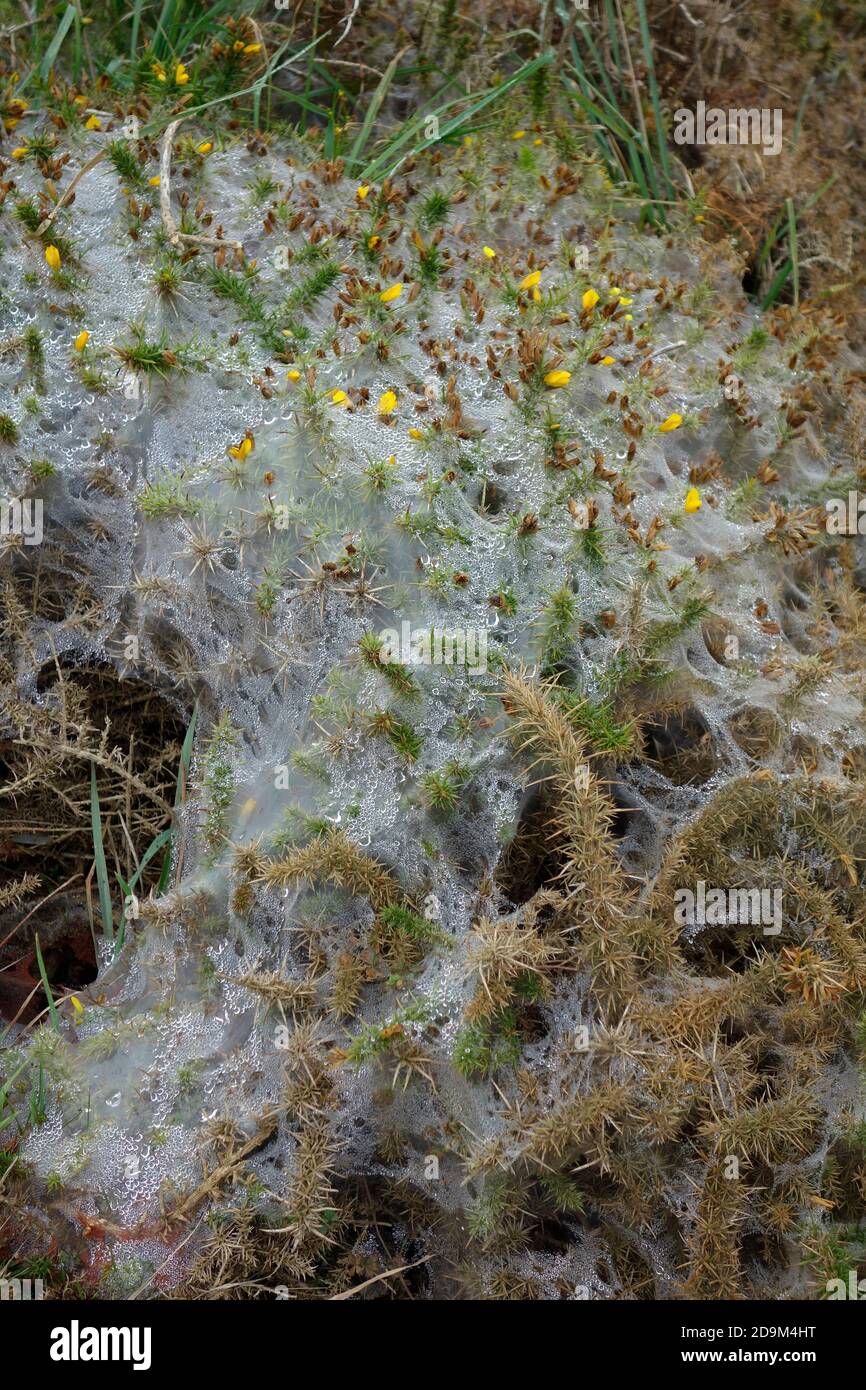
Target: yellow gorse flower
{"type": "Point", "coordinates": [387, 402]}
{"type": "Point", "coordinates": [560, 378]}
{"type": "Point", "coordinates": [181, 76]}
{"type": "Point", "coordinates": [673, 422]}
{"type": "Point", "coordinates": [293, 374]}
{"type": "Point", "coordinates": [608, 361]}
{"type": "Point", "coordinates": [530, 281]}
{"type": "Point", "coordinates": [20, 152]}
{"type": "Point", "coordinates": [338, 398]}
{"type": "Point", "coordinates": [82, 340]}
{"type": "Point", "coordinates": [93, 123]}
{"type": "Point", "coordinates": [590, 299]}
{"type": "Point", "coordinates": [205, 147]}
{"type": "Point", "coordinates": [242, 450]}
{"type": "Point", "coordinates": [393, 292]}
{"type": "Point", "coordinates": [489, 252]}
{"type": "Point", "coordinates": [693, 500]}
{"type": "Point", "coordinates": [362, 191]}
{"type": "Point", "coordinates": [52, 256]}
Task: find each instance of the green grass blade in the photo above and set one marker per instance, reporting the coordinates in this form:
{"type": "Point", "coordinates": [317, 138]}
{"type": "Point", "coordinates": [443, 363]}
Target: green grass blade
{"type": "Point", "coordinates": [654, 95]}
{"type": "Point", "coordinates": [613, 36]}
{"type": "Point", "coordinates": [603, 141]}
{"type": "Point", "coordinates": [99, 858]}
{"type": "Point", "coordinates": [793, 249]}
{"type": "Point", "coordinates": [792, 263]}
{"type": "Point", "coordinates": [136, 26]}
{"type": "Point", "coordinates": [776, 288]}
{"type": "Point", "coordinates": [387, 162]}
{"type": "Point", "coordinates": [772, 238]}
{"type": "Point", "coordinates": [162, 45]}
{"type": "Point", "coordinates": [156, 844]}
{"type": "Point", "coordinates": [597, 61]}
{"type": "Point", "coordinates": [56, 43]}
{"type": "Point", "coordinates": [639, 157]}
{"type": "Point", "coordinates": [180, 794]}
{"type": "Point", "coordinates": [44, 977]}
{"type": "Point", "coordinates": [373, 110]}
{"type": "Point", "coordinates": [4, 1096]}
{"type": "Point", "coordinates": [819, 193]}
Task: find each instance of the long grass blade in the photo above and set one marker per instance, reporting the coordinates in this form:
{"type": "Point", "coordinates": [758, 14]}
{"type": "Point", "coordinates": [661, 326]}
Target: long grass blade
{"type": "Point", "coordinates": [373, 110]}
{"type": "Point", "coordinates": [179, 795]}
{"type": "Point", "coordinates": [654, 95]}
{"type": "Point", "coordinates": [99, 858]}
{"type": "Point", "coordinates": [127, 889]}
{"type": "Point", "coordinates": [793, 250]}
{"type": "Point", "coordinates": [136, 27]}
{"type": "Point", "coordinates": [387, 162]}
{"type": "Point", "coordinates": [4, 1096]}
{"type": "Point", "coordinates": [52, 1009]}
{"type": "Point", "coordinates": [56, 43]}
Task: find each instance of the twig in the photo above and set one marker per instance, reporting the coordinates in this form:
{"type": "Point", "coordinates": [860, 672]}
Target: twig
{"type": "Point", "coordinates": [223, 1171]}
{"type": "Point", "coordinates": [349, 21]}
{"type": "Point", "coordinates": [696, 23]}
{"type": "Point", "coordinates": [181, 1243]}
{"type": "Point", "coordinates": [175, 235]}
{"type": "Point", "coordinates": [51, 895]}
{"type": "Point", "coordinates": [668, 347]}
{"type": "Point", "coordinates": [388, 1274]}
{"type": "Point", "coordinates": [71, 751]}
{"type": "Point", "coordinates": [64, 197]}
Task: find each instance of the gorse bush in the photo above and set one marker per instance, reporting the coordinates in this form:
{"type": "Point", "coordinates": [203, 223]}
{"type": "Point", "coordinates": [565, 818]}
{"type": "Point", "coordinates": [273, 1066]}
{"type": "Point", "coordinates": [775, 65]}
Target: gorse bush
{"type": "Point", "coordinates": [440, 969]}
